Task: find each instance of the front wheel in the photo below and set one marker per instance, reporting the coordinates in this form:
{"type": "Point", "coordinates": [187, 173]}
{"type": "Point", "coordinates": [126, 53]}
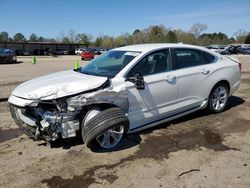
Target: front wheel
{"type": "Point", "coordinates": [218, 98]}
{"type": "Point", "coordinates": [105, 130]}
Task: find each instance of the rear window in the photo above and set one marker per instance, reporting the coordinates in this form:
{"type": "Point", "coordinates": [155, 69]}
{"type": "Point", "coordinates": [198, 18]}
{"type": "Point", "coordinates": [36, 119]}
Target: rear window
{"type": "Point", "coordinates": [208, 58]}
{"type": "Point", "coordinates": [185, 58]}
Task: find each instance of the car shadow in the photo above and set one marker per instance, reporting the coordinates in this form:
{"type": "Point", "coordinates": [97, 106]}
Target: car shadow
{"type": "Point", "coordinates": [134, 139]}
{"type": "Point", "coordinates": [12, 63]}
{"type": "Point", "coordinates": [66, 143]}
{"type": "Point", "coordinates": [129, 141]}
{"type": "Point", "coordinates": [17, 62]}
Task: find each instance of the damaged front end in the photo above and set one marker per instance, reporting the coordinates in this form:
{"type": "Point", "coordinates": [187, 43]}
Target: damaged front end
{"type": "Point", "coordinates": [48, 121]}
{"type": "Point", "coordinates": [51, 119]}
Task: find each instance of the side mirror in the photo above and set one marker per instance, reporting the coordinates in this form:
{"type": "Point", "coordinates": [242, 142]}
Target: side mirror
{"type": "Point", "coordinates": [138, 80]}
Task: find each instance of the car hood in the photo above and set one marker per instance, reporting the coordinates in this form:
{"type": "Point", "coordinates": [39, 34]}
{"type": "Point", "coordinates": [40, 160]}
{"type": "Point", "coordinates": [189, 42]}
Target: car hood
{"type": "Point", "coordinates": [57, 85]}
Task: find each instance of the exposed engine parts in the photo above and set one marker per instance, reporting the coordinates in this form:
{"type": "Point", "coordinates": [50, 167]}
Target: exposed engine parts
{"type": "Point", "coordinates": [60, 122]}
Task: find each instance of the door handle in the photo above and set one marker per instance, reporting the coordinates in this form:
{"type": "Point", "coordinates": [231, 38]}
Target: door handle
{"type": "Point", "coordinates": [170, 78]}
{"type": "Point", "coordinates": [205, 72]}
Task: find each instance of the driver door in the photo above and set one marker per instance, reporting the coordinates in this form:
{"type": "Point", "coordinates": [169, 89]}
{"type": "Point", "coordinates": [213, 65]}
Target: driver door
{"type": "Point", "coordinates": [157, 100]}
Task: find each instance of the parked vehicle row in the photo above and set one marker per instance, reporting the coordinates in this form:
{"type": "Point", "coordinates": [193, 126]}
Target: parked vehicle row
{"type": "Point", "coordinates": [96, 51]}
{"type": "Point", "coordinates": [45, 51]}
{"type": "Point", "coordinates": [59, 51]}
{"type": "Point", "coordinates": [232, 49]}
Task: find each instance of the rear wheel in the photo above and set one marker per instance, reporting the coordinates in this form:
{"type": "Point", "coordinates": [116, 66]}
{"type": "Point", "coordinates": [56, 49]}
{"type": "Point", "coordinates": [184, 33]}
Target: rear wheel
{"type": "Point", "coordinates": [105, 130]}
{"type": "Point", "coordinates": [218, 98]}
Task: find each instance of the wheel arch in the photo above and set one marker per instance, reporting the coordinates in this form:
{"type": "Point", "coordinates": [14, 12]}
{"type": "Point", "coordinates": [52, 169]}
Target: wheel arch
{"type": "Point", "coordinates": [224, 82]}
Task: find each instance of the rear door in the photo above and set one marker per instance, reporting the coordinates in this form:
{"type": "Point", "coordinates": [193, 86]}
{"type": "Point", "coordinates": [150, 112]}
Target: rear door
{"type": "Point", "coordinates": [192, 69]}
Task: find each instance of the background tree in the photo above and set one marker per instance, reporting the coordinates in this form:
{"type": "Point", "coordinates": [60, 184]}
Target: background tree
{"type": "Point", "coordinates": [10, 39]}
{"type": "Point", "coordinates": [189, 38]}
{"type": "Point", "coordinates": [204, 40]}
{"type": "Point", "coordinates": [171, 37]}
{"type": "Point", "coordinates": [84, 39]}
{"type": "Point", "coordinates": [231, 40]}
{"type": "Point", "coordinates": [138, 37]}
{"type": "Point", "coordinates": [52, 40]}
{"type": "Point", "coordinates": [214, 38]}
{"type": "Point", "coordinates": [60, 36]}
{"type": "Point", "coordinates": [137, 31]}
{"type": "Point", "coordinates": [107, 42]}
{"type": "Point", "coordinates": [41, 39]}
{"type": "Point", "coordinates": [185, 37]}
{"type": "Point", "coordinates": [71, 36]}
{"type": "Point", "coordinates": [66, 40]}
{"type": "Point", "coordinates": [4, 36]}
{"type": "Point", "coordinates": [98, 41]}
{"type": "Point", "coordinates": [33, 37]}
{"type": "Point", "coordinates": [19, 37]}
{"type": "Point", "coordinates": [240, 35]}
{"type": "Point", "coordinates": [197, 29]}
{"type": "Point", "coordinates": [247, 40]}
{"type": "Point", "coordinates": [156, 34]}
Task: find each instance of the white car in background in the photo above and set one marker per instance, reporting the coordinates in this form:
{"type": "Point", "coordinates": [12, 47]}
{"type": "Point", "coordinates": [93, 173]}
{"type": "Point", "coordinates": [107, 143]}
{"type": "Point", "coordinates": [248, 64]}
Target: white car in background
{"type": "Point", "coordinates": [125, 90]}
{"type": "Point", "coordinates": [78, 51]}
{"type": "Point", "coordinates": [223, 50]}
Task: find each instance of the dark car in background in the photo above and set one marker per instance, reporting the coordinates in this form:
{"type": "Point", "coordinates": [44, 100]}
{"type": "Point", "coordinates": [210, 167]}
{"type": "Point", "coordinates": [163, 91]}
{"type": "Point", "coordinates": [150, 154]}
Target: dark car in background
{"type": "Point", "coordinates": [7, 56]}
{"type": "Point", "coordinates": [61, 52]}
{"type": "Point", "coordinates": [233, 49]}
{"type": "Point", "coordinates": [244, 50]}
{"type": "Point", "coordinates": [47, 51]}
{"type": "Point", "coordinates": [22, 53]}
{"type": "Point", "coordinates": [97, 51]}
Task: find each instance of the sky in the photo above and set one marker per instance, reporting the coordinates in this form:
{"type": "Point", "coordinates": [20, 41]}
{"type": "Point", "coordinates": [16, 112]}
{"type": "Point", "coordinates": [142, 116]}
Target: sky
{"type": "Point", "coordinates": [49, 18]}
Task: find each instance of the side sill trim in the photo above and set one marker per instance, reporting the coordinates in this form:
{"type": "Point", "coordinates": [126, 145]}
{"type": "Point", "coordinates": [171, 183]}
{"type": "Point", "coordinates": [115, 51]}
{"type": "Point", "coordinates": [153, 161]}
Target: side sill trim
{"type": "Point", "coordinates": [165, 118]}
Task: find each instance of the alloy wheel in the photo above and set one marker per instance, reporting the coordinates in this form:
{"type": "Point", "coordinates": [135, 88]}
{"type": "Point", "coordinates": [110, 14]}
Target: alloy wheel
{"type": "Point", "coordinates": [111, 137]}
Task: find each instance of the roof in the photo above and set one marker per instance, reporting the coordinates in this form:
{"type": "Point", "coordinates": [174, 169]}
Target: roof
{"type": "Point", "coordinates": [154, 46]}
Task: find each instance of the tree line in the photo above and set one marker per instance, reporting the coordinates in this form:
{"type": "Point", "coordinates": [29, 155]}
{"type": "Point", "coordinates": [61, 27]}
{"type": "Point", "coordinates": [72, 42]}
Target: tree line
{"type": "Point", "coordinates": [152, 34]}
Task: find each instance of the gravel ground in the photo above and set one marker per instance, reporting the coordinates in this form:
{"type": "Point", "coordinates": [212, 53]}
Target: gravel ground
{"type": "Point", "coordinates": [198, 150]}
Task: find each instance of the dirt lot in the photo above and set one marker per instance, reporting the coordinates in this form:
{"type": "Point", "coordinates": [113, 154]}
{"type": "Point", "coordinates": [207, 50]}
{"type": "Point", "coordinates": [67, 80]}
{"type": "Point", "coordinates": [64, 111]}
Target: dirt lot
{"type": "Point", "coordinates": [199, 150]}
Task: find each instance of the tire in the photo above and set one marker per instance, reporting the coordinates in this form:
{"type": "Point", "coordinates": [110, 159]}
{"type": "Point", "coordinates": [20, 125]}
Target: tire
{"type": "Point", "coordinates": [218, 98]}
{"type": "Point", "coordinates": [82, 59]}
{"type": "Point", "coordinates": [103, 124]}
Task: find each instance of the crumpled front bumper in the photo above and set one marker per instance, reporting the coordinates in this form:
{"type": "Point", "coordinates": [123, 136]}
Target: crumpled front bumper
{"type": "Point", "coordinates": [25, 123]}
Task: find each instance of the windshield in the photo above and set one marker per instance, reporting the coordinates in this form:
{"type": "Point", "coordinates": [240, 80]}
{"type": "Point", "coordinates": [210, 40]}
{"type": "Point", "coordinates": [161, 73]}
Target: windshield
{"type": "Point", "coordinates": [109, 64]}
